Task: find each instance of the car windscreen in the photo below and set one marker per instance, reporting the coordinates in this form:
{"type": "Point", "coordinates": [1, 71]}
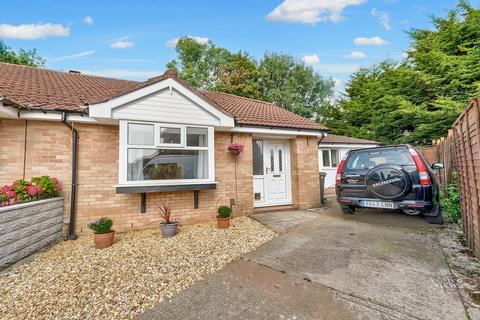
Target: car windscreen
{"type": "Point", "coordinates": [367, 159]}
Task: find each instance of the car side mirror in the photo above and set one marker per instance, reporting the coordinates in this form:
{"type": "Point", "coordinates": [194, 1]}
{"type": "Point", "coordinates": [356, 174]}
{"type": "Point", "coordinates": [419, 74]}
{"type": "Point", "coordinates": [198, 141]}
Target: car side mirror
{"type": "Point", "coordinates": [437, 166]}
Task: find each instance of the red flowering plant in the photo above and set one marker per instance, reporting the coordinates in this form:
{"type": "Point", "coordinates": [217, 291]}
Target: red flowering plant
{"type": "Point", "coordinates": [236, 148]}
{"type": "Point", "coordinates": [24, 191]}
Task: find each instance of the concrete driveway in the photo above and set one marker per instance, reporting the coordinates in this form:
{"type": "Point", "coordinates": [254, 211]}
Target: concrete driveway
{"type": "Point", "coordinates": [372, 265]}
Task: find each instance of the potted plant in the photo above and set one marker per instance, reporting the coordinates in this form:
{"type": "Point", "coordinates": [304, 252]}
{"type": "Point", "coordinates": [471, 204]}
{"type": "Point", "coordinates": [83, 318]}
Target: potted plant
{"type": "Point", "coordinates": [103, 233]}
{"type": "Point", "coordinates": [168, 227]}
{"type": "Point", "coordinates": [236, 148]}
{"type": "Point", "coordinates": [223, 217]}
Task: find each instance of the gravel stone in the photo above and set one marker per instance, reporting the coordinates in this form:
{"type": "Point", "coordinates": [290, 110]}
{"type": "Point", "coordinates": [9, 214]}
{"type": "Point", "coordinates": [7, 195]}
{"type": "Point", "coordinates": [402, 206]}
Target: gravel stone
{"type": "Point", "coordinates": [73, 280]}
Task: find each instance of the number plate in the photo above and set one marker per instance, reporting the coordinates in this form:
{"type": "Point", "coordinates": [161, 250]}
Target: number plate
{"type": "Point", "coordinates": [378, 204]}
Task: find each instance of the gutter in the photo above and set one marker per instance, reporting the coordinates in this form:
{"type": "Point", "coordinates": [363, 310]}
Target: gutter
{"type": "Point", "coordinates": [73, 192]}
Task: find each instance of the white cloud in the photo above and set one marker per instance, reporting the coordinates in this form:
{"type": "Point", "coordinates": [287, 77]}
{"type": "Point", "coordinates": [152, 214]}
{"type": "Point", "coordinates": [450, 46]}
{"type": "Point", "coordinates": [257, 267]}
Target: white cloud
{"type": "Point", "coordinates": [311, 11]}
{"type": "Point", "coordinates": [383, 17]}
{"type": "Point", "coordinates": [373, 41]}
{"type": "Point", "coordinates": [311, 60]}
{"type": "Point", "coordinates": [74, 56]}
{"type": "Point", "coordinates": [122, 44]}
{"type": "Point", "coordinates": [356, 55]}
{"type": "Point", "coordinates": [172, 43]}
{"type": "Point", "coordinates": [33, 31]}
{"type": "Point", "coordinates": [88, 20]}
{"type": "Point", "coordinates": [124, 73]}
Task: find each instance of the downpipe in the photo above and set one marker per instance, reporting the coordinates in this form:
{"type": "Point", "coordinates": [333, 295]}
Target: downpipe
{"type": "Point", "coordinates": [73, 190]}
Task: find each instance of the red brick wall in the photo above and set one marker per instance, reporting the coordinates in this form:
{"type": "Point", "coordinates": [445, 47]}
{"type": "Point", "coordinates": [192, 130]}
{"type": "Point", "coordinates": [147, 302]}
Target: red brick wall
{"type": "Point", "coordinates": [48, 147]}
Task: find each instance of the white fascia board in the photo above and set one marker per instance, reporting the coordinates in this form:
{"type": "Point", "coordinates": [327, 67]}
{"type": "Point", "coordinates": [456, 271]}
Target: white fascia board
{"type": "Point", "coordinates": [346, 146]}
{"type": "Point", "coordinates": [277, 131]}
{"type": "Point", "coordinates": [12, 113]}
{"type": "Point", "coordinates": [104, 109]}
{"type": "Point", "coordinates": [8, 112]}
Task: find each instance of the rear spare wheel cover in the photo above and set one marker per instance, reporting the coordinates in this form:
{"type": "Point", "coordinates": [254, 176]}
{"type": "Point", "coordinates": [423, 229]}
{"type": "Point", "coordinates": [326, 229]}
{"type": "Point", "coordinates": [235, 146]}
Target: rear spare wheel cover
{"type": "Point", "coordinates": [388, 182]}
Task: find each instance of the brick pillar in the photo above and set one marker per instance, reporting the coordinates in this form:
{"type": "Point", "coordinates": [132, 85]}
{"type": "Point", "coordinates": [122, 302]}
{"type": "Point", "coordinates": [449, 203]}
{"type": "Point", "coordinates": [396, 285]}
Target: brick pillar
{"type": "Point", "coordinates": [304, 163]}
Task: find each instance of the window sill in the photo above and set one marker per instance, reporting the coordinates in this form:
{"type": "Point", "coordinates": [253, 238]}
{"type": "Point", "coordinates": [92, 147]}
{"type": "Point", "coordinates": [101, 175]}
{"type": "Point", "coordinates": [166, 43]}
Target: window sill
{"type": "Point", "coordinates": [165, 188]}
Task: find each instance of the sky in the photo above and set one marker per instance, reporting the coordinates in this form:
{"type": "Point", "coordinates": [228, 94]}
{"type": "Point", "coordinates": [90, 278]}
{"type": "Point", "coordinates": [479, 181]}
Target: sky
{"type": "Point", "coordinates": [135, 39]}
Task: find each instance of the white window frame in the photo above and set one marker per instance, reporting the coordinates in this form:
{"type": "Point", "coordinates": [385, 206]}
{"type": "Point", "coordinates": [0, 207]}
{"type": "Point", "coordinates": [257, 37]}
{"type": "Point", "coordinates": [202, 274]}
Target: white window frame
{"type": "Point", "coordinates": [170, 126]}
{"type": "Point", "coordinates": [330, 157]}
{"type": "Point", "coordinates": [124, 146]}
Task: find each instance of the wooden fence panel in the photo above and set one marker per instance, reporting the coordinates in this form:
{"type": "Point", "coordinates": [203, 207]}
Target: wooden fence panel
{"type": "Point", "coordinates": [467, 153]}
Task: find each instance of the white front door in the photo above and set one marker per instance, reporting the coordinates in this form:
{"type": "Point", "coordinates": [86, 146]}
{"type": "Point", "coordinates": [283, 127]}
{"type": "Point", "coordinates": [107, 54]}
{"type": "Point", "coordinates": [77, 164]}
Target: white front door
{"type": "Point", "coordinates": [274, 185]}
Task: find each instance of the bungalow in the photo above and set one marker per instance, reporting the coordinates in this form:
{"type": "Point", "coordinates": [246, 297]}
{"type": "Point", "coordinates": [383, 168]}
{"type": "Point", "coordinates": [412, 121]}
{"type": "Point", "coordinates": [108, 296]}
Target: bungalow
{"type": "Point", "coordinates": [120, 147]}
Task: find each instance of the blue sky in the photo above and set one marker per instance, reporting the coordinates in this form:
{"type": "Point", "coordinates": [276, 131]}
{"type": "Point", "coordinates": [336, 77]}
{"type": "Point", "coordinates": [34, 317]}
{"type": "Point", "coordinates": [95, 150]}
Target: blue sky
{"type": "Point", "coordinates": [133, 39]}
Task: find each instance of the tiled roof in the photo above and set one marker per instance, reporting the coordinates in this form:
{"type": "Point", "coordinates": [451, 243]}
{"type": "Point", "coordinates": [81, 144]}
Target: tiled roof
{"type": "Point", "coordinates": [36, 88]}
{"type": "Point", "coordinates": [260, 113]}
{"type": "Point", "coordinates": [333, 138]}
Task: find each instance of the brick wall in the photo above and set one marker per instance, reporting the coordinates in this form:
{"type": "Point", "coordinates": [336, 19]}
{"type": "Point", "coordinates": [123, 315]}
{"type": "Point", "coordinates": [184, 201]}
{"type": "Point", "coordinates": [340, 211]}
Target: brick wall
{"type": "Point", "coordinates": [305, 182]}
{"type": "Point", "coordinates": [48, 150]}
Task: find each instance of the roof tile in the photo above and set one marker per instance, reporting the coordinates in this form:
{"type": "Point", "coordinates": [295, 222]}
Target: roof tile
{"type": "Point", "coordinates": [36, 88]}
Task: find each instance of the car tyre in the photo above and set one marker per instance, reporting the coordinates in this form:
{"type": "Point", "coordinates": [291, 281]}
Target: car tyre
{"type": "Point", "coordinates": [437, 218]}
{"type": "Point", "coordinates": [348, 209]}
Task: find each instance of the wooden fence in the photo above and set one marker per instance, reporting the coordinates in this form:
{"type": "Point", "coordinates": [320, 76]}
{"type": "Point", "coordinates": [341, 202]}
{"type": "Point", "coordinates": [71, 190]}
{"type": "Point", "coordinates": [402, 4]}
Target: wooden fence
{"type": "Point", "coordinates": [466, 140]}
{"type": "Point", "coordinates": [445, 152]}
{"type": "Point", "coordinates": [460, 152]}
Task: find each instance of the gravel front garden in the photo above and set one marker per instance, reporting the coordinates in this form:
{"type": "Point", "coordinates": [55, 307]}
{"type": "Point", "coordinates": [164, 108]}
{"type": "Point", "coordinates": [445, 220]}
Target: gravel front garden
{"type": "Point", "coordinates": [73, 280]}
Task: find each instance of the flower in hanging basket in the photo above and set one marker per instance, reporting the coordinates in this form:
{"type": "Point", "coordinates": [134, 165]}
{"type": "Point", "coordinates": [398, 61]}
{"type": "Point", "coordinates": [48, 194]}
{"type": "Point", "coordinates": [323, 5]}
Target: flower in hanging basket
{"type": "Point", "coordinates": [236, 148]}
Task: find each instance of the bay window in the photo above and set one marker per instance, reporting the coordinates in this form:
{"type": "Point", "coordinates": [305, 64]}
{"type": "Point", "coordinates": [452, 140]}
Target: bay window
{"type": "Point", "coordinates": [156, 153]}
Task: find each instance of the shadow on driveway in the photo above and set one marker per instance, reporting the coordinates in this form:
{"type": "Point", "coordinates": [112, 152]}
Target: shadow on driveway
{"type": "Point", "coordinates": [371, 265]}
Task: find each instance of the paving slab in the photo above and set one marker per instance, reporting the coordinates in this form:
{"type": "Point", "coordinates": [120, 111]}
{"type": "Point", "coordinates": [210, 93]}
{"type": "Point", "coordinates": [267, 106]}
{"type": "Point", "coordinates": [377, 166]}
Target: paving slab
{"type": "Point", "coordinates": [283, 221]}
{"type": "Point", "coordinates": [371, 265]}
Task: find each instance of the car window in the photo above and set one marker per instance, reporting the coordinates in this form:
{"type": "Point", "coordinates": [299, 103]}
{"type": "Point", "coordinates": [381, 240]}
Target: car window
{"type": "Point", "coordinates": [367, 159]}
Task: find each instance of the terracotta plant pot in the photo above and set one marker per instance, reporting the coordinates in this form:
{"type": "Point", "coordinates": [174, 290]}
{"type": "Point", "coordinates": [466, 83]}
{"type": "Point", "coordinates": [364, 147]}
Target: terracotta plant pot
{"type": "Point", "coordinates": [103, 240]}
{"type": "Point", "coordinates": [223, 223]}
{"type": "Point", "coordinates": [169, 229]}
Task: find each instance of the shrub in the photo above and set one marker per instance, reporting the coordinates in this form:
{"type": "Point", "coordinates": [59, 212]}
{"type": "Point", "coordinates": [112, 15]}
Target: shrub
{"type": "Point", "coordinates": [102, 225]}
{"type": "Point", "coordinates": [165, 211]}
{"type": "Point", "coordinates": [224, 212]}
{"type": "Point", "coordinates": [24, 191]}
{"type": "Point", "coordinates": [450, 201]}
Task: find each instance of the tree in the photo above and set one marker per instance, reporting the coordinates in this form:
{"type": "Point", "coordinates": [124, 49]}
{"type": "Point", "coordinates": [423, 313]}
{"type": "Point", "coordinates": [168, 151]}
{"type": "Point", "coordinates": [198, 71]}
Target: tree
{"type": "Point", "coordinates": [24, 57]}
{"type": "Point", "coordinates": [416, 100]}
{"type": "Point", "coordinates": [294, 86]}
{"type": "Point", "coordinates": [276, 78]}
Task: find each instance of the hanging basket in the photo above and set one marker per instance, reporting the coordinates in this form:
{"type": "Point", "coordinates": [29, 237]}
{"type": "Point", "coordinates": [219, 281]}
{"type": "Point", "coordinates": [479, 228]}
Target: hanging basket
{"type": "Point", "coordinates": [236, 148]}
{"type": "Point", "coordinates": [234, 152]}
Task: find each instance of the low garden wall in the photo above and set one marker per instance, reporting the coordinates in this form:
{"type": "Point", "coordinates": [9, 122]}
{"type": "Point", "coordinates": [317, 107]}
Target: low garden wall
{"type": "Point", "coordinates": [28, 227]}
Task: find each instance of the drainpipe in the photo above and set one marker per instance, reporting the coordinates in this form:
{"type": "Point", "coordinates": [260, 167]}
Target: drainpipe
{"type": "Point", "coordinates": [73, 192]}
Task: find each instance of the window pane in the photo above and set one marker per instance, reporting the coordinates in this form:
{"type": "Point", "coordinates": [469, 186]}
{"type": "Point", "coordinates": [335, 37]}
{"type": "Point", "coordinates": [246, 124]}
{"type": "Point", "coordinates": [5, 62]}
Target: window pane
{"type": "Point", "coordinates": [280, 160]}
{"type": "Point", "coordinates": [197, 137]}
{"type": "Point", "coordinates": [257, 157]}
{"type": "Point", "coordinates": [162, 164]}
{"type": "Point", "coordinates": [368, 159]}
{"type": "Point", "coordinates": [272, 160]}
{"type": "Point", "coordinates": [140, 134]}
{"type": "Point", "coordinates": [170, 135]}
{"type": "Point", "coordinates": [326, 158]}
{"type": "Point", "coordinates": [334, 154]}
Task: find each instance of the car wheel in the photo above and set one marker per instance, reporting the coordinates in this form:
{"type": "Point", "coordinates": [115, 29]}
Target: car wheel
{"type": "Point", "coordinates": [348, 209]}
{"type": "Point", "coordinates": [437, 217]}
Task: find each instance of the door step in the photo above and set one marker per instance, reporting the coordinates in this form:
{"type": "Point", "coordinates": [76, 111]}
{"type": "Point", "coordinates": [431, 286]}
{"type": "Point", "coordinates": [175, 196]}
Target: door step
{"type": "Point", "coordinates": [288, 207]}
